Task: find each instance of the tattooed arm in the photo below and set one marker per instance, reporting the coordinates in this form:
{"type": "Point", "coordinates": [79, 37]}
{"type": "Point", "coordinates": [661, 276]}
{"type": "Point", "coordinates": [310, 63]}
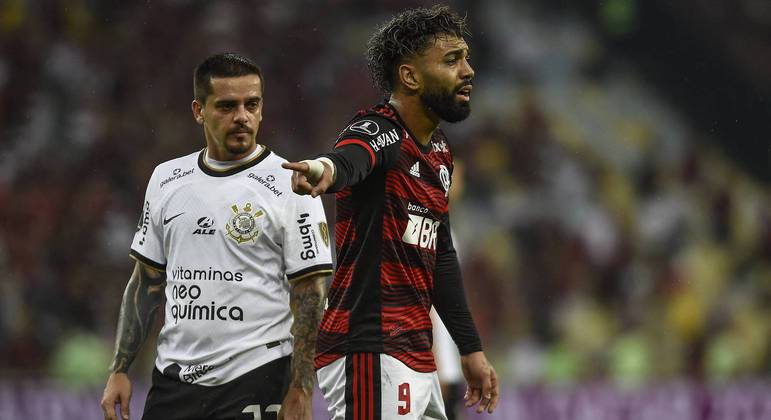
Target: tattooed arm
{"type": "Point", "coordinates": [141, 300]}
{"type": "Point", "coordinates": [306, 300]}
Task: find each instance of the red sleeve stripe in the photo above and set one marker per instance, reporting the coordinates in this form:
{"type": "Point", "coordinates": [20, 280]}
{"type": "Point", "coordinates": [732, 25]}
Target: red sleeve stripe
{"type": "Point", "coordinates": [361, 143]}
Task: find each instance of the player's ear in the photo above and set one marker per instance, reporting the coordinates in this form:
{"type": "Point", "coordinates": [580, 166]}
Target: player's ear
{"type": "Point", "coordinates": [409, 76]}
{"type": "Point", "coordinates": [197, 111]}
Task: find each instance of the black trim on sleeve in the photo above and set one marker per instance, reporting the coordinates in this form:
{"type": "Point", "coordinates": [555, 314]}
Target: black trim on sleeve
{"type": "Point", "coordinates": [144, 260]}
{"type": "Point", "coordinates": [315, 269]}
{"type": "Point", "coordinates": [449, 297]}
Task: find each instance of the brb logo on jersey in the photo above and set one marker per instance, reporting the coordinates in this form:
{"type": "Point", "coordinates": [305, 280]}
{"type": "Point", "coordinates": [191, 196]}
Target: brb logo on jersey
{"type": "Point", "coordinates": [421, 231]}
{"type": "Point", "coordinates": [242, 226]}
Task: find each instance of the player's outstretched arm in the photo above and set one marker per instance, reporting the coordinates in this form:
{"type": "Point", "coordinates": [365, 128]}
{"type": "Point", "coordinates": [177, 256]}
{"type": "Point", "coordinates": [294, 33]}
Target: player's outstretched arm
{"type": "Point", "coordinates": [481, 380]}
{"type": "Point", "coordinates": [306, 299]}
{"type": "Point", "coordinates": [141, 300]}
{"type": "Point", "coordinates": [310, 177]}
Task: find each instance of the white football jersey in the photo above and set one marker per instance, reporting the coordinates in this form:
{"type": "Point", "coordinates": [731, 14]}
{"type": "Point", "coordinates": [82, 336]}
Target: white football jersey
{"type": "Point", "coordinates": [230, 242]}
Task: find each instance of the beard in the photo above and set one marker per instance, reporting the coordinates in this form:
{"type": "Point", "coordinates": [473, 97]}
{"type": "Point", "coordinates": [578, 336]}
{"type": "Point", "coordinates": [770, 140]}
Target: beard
{"type": "Point", "coordinates": [445, 104]}
{"type": "Point", "coordinates": [237, 142]}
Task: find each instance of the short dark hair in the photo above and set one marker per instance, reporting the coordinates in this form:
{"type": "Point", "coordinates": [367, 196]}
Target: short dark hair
{"type": "Point", "coordinates": [407, 34]}
{"type": "Point", "coordinates": [222, 65]}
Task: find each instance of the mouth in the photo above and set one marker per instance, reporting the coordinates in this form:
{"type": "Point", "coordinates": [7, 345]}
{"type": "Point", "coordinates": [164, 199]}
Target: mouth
{"type": "Point", "coordinates": [240, 131]}
{"type": "Point", "coordinates": [464, 93]}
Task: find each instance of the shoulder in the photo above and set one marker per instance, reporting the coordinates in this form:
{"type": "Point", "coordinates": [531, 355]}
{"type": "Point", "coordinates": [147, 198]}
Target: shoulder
{"type": "Point", "coordinates": [440, 144]}
{"type": "Point", "coordinates": [178, 165]}
{"type": "Point", "coordinates": [272, 166]}
{"type": "Point", "coordinates": [174, 169]}
{"type": "Point", "coordinates": [371, 123]}
{"type": "Point", "coordinates": [273, 179]}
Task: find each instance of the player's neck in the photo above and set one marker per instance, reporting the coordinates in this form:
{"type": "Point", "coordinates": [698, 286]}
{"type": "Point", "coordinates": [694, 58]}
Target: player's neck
{"type": "Point", "coordinates": [223, 164]}
{"type": "Point", "coordinates": [420, 121]}
{"type": "Point", "coordinates": [220, 153]}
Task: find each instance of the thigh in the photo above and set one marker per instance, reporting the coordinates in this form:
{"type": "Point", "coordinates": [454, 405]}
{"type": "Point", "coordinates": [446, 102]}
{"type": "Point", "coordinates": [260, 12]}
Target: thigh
{"type": "Point", "coordinates": [170, 399]}
{"type": "Point", "coordinates": [256, 395]}
{"type": "Point", "coordinates": [407, 394]}
{"type": "Point", "coordinates": [351, 387]}
{"type": "Point", "coordinates": [371, 386]}
{"type": "Point", "coordinates": [332, 382]}
{"type": "Point", "coordinates": [435, 410]}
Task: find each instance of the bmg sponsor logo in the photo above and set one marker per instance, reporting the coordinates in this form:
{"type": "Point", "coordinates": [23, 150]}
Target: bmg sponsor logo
{"type": "Point", "coordinates": [308, 238]}
{"type": "Point", "coordinates": [144, 222]}
{"type": "Point", "coordinates": [421, 231]}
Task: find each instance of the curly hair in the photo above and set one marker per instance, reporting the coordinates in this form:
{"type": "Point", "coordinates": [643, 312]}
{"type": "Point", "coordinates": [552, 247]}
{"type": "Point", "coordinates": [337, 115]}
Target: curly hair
{"type": "Point", "coordinates": [407, 34]}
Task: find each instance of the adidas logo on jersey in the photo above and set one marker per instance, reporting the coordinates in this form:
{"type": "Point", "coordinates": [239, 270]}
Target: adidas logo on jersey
{"type": "Point", "coordinates": [415, 170]}
{"type": "Point", "coordinates": [421, 231]}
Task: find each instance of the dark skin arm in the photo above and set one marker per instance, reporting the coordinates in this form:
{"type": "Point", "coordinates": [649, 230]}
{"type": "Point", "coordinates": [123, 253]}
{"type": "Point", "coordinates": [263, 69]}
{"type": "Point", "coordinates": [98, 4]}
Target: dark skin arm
{"type": "Point", "coordinates": [141, 300]}
{"type": "Point", "coordinates": [306, 300]}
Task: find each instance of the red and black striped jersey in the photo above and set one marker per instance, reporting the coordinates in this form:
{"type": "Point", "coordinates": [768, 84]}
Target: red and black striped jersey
{"type": "Point", "coordinates": [392, 221]}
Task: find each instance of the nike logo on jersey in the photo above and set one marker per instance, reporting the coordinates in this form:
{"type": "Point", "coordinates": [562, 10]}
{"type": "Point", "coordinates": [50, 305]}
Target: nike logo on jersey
{"type": "Point", "coordinates": [166, 221]}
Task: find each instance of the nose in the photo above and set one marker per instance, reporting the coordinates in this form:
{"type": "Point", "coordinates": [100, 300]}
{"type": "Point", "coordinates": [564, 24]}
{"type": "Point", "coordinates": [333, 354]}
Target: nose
{"type": "Point", "coordinates": [240, 115]}
{"type": "Point", "coordinates": [466, 71]}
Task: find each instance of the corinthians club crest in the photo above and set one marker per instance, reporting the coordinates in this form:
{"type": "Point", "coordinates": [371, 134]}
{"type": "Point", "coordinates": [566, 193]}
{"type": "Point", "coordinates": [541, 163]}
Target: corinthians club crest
{"type": "Point", "coordinates": [242, 226]}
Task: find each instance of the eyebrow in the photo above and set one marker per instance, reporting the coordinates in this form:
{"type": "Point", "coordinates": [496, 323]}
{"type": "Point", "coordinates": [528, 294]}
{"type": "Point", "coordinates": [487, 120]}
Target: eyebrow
{"type": "Point", "coordinates": [456, 51]}
{"type": "Point", "coordinates": [235, 101]}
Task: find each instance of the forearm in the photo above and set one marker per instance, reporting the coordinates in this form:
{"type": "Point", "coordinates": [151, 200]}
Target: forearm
{"type": "Point", "coordinates": [449, 296]}
{"type": "Point", "coordinates": [450, 303]}
{"type": "Point", "coordinates": [352, 165]}
{"type": "Point", "coordinates": [141, 300]}
{"type": "Point", "coordinates": [307, 304]}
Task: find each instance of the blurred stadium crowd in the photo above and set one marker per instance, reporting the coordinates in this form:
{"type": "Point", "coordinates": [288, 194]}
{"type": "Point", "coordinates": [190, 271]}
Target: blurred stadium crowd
{"type": "Point", "coordinates": [602, 237]}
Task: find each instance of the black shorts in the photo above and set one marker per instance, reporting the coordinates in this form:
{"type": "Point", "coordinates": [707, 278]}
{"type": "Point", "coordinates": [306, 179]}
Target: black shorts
{"type": "Point", "coordinates": [255, 395]}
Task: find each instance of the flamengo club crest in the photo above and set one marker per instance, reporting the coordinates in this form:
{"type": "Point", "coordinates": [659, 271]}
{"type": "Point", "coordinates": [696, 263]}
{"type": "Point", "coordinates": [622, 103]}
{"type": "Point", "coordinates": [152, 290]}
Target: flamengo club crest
{"type": "Point", "coordinates": [242, 226]}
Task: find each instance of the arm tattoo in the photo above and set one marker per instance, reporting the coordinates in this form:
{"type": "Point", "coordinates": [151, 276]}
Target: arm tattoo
{"type": "Point", "coordinates": [141, 300]}
{"type": "Point", "coordinates": [307, 303]}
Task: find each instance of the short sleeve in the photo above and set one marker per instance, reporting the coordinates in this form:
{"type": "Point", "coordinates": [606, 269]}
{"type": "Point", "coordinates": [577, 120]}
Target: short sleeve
{"type": "Point", "coordinates": [307, 247]}
{"type": "Point", "coordinates": [147, 245]}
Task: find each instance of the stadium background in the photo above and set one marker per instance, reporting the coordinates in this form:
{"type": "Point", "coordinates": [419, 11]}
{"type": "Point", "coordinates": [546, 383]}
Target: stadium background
{"type": "Point", "coordinates": [614, 222]}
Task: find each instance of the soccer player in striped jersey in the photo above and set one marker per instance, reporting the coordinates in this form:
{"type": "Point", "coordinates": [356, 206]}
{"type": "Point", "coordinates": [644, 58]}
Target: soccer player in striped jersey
{"type": "Point", "coordinates": [391, 170]}
{"type": "Point", "coordinates": [235, 254]}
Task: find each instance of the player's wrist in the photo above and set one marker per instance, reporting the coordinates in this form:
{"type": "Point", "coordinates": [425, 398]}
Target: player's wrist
{"type": "Point", "coordinates": [120, 364]}
{"type": "Point", "coordinates": [316, 168]}
{"type": "Point", "coordinates": [329, 164]}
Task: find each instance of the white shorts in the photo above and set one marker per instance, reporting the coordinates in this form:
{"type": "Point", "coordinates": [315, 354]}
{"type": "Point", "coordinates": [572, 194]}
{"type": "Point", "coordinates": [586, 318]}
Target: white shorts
{"type": "Point", "coordinates": [372, 386]}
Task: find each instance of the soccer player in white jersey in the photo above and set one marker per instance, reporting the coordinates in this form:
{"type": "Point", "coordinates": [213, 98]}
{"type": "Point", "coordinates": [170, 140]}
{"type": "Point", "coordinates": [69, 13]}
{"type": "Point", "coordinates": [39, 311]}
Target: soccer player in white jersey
{"type": "Point", "coordinates": [231, 249]}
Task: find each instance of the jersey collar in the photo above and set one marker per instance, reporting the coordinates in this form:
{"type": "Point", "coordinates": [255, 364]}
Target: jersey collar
{"type": "Point", "coordinates": [208, 170]}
